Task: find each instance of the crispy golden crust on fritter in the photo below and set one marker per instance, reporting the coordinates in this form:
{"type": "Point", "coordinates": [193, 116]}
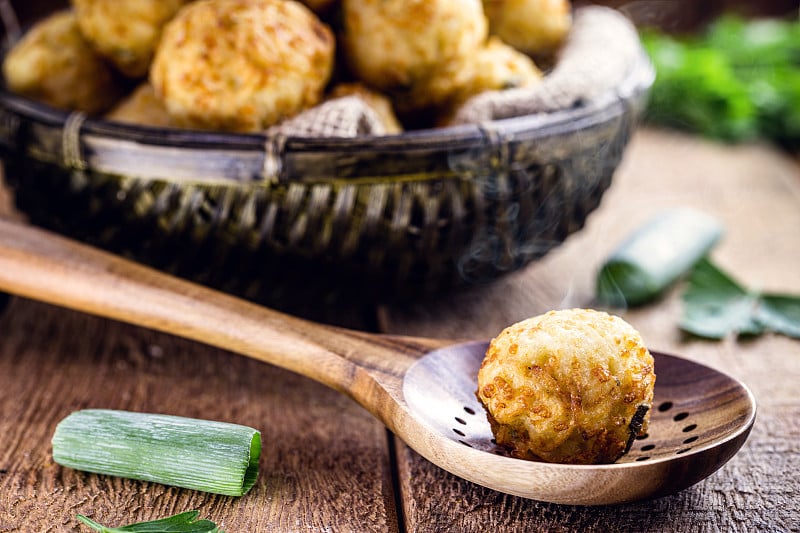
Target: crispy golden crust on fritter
{"type": "Point", "coordinates": [568, 386]}
{"type": "Point", "coordinates": [55, 65]}
{"type": "Point", "coordinates": [536, 27]}
{"type": "Point", "coordinates": [418, 51]}
{"type": "Point", "coordinates": [125, 32]}
{"type": "Point", "coordinates": [242, 65]}
{"type": "Point", "coordinates": [141, 107]}
{"type": "Point", "coordinates": [497, 67]}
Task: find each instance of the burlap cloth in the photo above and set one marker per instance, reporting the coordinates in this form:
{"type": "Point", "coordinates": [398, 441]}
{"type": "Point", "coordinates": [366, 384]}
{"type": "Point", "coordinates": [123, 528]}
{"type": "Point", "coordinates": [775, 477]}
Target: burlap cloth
{"type": "Point", "coordinates": [601, 49]}
{"type": "Point", "coordinates": [346, 116]}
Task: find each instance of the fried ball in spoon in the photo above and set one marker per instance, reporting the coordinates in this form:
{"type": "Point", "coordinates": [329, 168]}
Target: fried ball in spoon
{"type": "Point", "coordinates": [571, 386]}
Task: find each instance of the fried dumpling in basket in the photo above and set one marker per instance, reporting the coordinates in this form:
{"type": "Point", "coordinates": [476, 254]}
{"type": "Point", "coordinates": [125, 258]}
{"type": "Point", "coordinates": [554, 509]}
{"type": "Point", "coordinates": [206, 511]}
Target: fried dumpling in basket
{"type": "Point", "coordinates": [418, 51]}
{"type": "Point", "coordinates": [55, 65]}
{"type": "Point", "coordinates": [125, 32]}
{"type": "Point", "coordinates": [242, 65]}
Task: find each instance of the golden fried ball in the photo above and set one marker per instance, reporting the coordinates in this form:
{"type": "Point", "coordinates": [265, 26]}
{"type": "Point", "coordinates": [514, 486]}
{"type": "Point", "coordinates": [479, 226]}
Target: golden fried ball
{"type": "Point", "coordinates": [570, 386]}
{"type": "Point", "coordinates": [378, 102]}
{"type": "Point", "coordinates": [497, 67]}
{"type": "Point", "coordinates": [241, 65]}
{"type": "Point", "coordinates": [418, 51]}
{"type": "Point", "coordinates": [141, 107]}
{"type": "Point", "coordinates": [536, 27]}
{"type": "Point", "coordinates": [55, 65]}
{"type": "Point", "coordinates": [126, 32]}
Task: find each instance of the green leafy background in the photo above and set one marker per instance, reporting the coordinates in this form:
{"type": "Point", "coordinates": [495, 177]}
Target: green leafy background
{"type": "Point", "coordinates": [739, 80]}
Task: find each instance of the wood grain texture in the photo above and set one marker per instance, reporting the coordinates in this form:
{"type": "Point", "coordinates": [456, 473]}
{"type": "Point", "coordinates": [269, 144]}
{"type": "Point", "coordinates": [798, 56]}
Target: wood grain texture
{"type": "Point", "coordinates": [755, 192]}
{"type": "Point", "coordinates": [325, 466]}
{"type": "Point", "coordinates": [419, 403]}
{"type": "Point", "coordinates": [78, 361]}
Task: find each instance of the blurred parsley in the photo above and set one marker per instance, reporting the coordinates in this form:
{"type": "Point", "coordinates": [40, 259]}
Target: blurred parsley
{"type": "Point", "coordinates": [715, 305]}
{"type": "Point", "coordinates": [740, 80]}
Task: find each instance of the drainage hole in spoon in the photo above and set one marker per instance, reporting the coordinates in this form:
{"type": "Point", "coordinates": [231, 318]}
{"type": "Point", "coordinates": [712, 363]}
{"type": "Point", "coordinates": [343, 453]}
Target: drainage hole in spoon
{"type": "Point", "coordinates": [683, 415]}
{"type": "Point", "coordinates": [461, 421]}
{"type": "Point", "coordinates": [663, 407]}
{"type": "Point", "coordinates": [478, 442]}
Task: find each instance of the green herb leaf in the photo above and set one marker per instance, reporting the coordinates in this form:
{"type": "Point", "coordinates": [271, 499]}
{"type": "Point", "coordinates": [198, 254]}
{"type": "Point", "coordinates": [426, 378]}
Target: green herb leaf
{"type": "Point", "coordinates": [715, 306]}
{"type": "Point", "coordinates": [186, 522]}
{"type": "Point", "coordinates": [781, 314]}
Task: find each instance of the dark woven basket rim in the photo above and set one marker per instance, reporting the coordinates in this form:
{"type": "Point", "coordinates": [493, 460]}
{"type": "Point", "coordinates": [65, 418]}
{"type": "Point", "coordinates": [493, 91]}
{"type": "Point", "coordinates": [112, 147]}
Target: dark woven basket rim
{"type": "Point", "coordinates": [489, 136]}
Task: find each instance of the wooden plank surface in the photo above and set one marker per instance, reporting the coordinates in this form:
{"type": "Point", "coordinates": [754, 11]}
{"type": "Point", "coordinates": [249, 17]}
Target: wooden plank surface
{"type": "Point", "coordinates": [329, 467]}
{"type": "Point", "coordinates": [755, 192]}
{"type": "Point", "coordinates": [326, 463]}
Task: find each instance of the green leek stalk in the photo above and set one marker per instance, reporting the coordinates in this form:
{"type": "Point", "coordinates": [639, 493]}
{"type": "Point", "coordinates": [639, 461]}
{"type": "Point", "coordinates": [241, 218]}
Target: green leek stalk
{"type": "Point", "coordinates": [655, 256]}
{"type": "Point", "coordinates": [203, 455]}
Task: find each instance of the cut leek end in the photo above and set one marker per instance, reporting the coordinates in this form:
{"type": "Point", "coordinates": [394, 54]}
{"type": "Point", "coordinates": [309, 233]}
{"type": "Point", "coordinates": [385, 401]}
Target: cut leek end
{"type": "Point", "coordinates": [654, 257]}
{"type": "Point", "coordinates": [251, 472]}
{"type": "Point", "coordinates": [215, 457]}
{"type": "Point", "coordinates": [622, 285]}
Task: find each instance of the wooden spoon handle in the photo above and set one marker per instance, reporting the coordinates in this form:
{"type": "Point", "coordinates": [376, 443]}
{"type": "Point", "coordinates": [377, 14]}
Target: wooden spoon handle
{"type": "Point", "coordinates": [43, 266]}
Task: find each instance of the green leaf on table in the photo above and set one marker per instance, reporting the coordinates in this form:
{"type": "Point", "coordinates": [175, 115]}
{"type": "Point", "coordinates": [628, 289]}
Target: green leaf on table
{"type": "Point", "coordinates": [186, 522]}
{"type": "Point", "coordinates": [781, 314]}
{"type": "Point", "coordinates": [715, 305]}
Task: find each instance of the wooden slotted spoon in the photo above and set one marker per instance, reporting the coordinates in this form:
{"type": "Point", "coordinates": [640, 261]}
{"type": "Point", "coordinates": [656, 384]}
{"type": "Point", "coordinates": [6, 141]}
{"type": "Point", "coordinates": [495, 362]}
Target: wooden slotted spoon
{"type": "Point", "coordinates": [421, 389]}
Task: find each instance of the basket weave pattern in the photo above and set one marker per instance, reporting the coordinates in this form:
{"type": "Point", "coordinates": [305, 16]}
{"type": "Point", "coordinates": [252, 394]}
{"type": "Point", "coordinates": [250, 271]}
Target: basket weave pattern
{"type": "Point", "coordinates": [287, 216]}
{"type": "Point", "coordinates": [484, 218]}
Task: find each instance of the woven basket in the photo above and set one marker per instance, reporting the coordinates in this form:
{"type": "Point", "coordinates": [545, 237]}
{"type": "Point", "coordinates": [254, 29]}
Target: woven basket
{"type": "Point", "coordinates": [279, 218]}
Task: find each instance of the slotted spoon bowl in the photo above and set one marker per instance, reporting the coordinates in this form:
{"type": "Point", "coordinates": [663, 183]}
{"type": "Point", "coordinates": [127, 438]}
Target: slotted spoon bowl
{"type": "Point", "coordinates": [421, 389]}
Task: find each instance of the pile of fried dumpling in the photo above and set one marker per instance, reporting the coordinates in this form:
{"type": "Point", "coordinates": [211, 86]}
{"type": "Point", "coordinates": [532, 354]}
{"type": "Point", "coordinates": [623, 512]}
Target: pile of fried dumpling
{"type": "Point", "coordinates": [248, 65]}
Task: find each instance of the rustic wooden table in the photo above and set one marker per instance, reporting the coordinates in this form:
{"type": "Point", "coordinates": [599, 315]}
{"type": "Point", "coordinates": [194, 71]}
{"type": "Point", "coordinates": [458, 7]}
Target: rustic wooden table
{"type": "Point", "coordinates": [328, 466]}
